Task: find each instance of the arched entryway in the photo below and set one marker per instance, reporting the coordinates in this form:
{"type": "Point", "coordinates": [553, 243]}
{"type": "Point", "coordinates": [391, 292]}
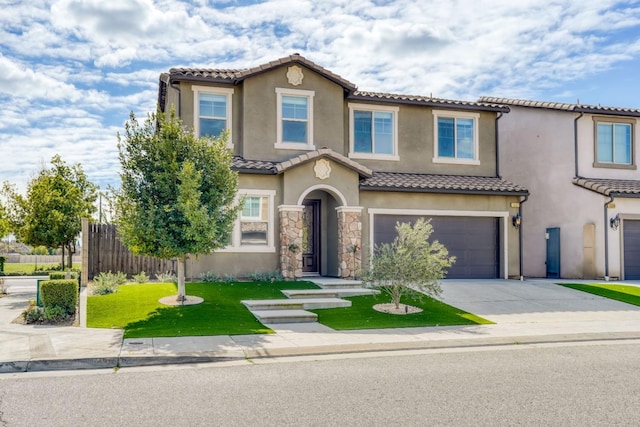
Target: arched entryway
{"type": "Point", "coordinates": [320, 235]}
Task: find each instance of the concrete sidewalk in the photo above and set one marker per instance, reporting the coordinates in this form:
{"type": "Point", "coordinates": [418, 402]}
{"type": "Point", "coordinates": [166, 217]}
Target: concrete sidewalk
{"type": "Point", "coordinates": [534, 311]}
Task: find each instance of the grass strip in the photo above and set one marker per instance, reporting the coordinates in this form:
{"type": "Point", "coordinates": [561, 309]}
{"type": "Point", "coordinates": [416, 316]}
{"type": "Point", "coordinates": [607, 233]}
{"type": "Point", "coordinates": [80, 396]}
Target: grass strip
{"type": "Point", "coordinates": [361, 314]}
{"type": "Point", "coordinates": [622, 293]}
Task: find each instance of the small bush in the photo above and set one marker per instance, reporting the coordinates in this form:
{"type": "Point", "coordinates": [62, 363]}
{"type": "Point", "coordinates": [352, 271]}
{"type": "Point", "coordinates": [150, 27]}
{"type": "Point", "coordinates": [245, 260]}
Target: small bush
{"type": "Point", "coordinates": [55, 314]}
{"type": "Point", "coordinates": [210, 277]}
{"type": "Point", "coordinates": [107, 283]}
{"type": "Point", "coordinates": [229, 278]}
{"type": "Point", "coordinates": [141, 277]}
{"type": "Point", "coordinates": [60, 275]}
{"type": "Point", "coordinates": [33, 314]}
{"type": "Point", "coordinates": [267, 276]}
{"type": "Point", "coordinates": [167, 277]}
{"type": "Point", "coordinates": [60, 293]}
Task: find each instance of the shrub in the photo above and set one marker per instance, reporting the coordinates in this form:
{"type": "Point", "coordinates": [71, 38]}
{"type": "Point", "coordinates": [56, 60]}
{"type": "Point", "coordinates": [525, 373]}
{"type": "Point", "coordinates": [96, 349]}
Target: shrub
{"type": "Point", "coordinates": [267, 276]}
{"type": "Point", "coordinates": [33, 314]}
{"type": "Point", "coordinates": [229, 278]}
{"type": "Point", "coordinates": [167, 277]}
{"type": "Point", "coordinates": [55, 314]}
{"type": "Point", "coordinates": [60, 275]}
{"type": "Point", "coordinates": [141, 277]}
{"type": "Point", "coordinates": [107, 283]}
{"type": "Point", "coordinates": [210, 277]}
{"type": "Point", "coordinates": [2, 261]}
{"type": "Point", "coordinates": [60, 293]}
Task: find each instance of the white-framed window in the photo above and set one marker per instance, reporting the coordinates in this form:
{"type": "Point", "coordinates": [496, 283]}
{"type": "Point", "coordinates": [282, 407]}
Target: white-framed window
{"type": "Point", "coordinates": [294, 119]}
{"type": "Point", "coordinates": [455, 137]}
{"type": "Point", "coordinates": [254, 228]}
{"type": "Point", "coordinates": [212, 107]}
{"type": "Point", "coordinates": [373, 132]}
{"type": "Point", "coordinates": [614, 143]}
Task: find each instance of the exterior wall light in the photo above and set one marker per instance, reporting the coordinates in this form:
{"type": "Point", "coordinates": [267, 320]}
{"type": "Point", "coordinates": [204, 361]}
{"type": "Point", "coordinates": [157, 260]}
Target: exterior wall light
{"type": "Point", "coordinates": [516, 220]}
{"type": "Point", "coordinates": [615, 222]}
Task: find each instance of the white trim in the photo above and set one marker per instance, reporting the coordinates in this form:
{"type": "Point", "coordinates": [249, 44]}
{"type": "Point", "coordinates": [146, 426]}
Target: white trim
{"type": "Point", "coordinates": [227, 92]}
{"type": "Point", "coordinates": [476, 137]}
{"type": "Point", "coordinates": [373, 108]}
{"type": "Point", "coordinates": [236, 234]}
{"type": "Point", "coordinates": [334, 192]}
{"type": "Point", "coordinates": [431, 212]}
{"type": "Point", "coordinates": [283, 145]}
{"type": "Point", "coordinates": [356, 209]}
{"type": "Point", "coordinates": [290, 208]}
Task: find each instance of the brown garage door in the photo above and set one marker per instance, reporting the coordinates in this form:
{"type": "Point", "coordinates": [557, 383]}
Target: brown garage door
{"type": "Point", "coordinates": [631, 250]}
{"type": "Point", "coordinates": [474, 241]}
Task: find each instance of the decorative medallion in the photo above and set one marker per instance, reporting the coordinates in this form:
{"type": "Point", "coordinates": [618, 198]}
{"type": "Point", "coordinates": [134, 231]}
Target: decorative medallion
{"type": "Point", "coordinates": [322, 169]}
{"type": "Point", "coordinates": [294, 75]}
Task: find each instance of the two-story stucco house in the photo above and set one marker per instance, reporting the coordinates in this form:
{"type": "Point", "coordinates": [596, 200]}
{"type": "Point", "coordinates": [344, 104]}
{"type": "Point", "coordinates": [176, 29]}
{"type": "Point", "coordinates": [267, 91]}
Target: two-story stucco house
{"type": "Point", "coordinates": [580, 163]}
{"type": "Point", "coordinates": [326, 171]}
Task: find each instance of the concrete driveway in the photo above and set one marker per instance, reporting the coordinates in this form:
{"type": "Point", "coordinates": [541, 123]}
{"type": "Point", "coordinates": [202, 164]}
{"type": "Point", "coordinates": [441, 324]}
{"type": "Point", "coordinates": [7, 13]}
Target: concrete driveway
{"type": "Point", "coordinates": [514, 301]}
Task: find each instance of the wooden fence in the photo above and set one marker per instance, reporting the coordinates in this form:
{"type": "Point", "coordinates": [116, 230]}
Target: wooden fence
{"type": "Point", "coordinates": [102, 251]}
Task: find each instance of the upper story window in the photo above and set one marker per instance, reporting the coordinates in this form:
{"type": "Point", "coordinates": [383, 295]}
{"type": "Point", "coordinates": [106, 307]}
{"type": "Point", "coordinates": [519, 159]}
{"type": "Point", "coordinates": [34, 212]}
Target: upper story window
{"type": "Point", "coordinates": [212, 110]}
{"type": "Point", "coordinates": [295, 119]}
{"type": "Point", "coordinates": [614, 144]}
{"type": "Point", "coordinates": [455, 137]}
{"type": "Point", "coordinates": [373, 132]}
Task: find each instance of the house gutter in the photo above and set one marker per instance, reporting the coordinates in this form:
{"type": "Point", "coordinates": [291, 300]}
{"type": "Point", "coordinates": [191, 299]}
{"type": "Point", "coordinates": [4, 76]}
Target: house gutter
{"type": "Point", "coordinates": [520, 245]}
{"type": "Point", "coordinates": [606, 236]}
{"type": "Point", "coordinates": [498, 116]}
{"type": "Point", "coordinates": [575, 143]}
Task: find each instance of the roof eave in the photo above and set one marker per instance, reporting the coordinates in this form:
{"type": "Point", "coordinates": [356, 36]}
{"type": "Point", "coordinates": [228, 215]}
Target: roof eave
{"type": "Point", "coordinates": [425, 103]}
{"type": "Point", "coordinates": [447, 191]}
{"type": "Point", "coordinates": [603, 111]}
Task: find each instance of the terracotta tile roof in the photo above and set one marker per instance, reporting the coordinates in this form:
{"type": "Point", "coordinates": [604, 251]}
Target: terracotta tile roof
{"type": "Point", "coordinates": [618, 187]}
{"type": "Point", "coordinates": [392, 181]}
{"type": "Point", "coordinates": [426, 100]}
{"type": "Point", "coordinates": [579, 108]}
{"type": "Point", "coordinates": [239, 74]}
{"type": "Point", "coordinates": [324, 152]}
{"type": "Point", "coordinates": [260, 166]}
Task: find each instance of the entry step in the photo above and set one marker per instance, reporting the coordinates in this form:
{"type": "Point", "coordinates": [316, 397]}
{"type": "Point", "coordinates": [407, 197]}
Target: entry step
{"type": "Point", "coordinates": [296, 304]}
{"type": "Point", "coordinates": [332, 292]}
{"type": "Point", "coordinates": [284, 316]}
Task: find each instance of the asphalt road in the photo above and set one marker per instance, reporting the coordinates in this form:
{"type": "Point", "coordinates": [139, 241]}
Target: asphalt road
{"type": "Point", "coordinates": [577, 385]}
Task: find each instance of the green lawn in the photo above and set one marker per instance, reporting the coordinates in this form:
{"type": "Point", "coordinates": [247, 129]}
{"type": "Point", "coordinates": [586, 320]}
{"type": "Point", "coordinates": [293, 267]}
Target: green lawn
{"type": "Point", "coordinates": [624, 293]}
{"type": "Point", "coordinates": [25, 268]}
{"type": "Point", "coordinates": [136, 309]}
{"type": "Point", "coordinates": [361, 315]}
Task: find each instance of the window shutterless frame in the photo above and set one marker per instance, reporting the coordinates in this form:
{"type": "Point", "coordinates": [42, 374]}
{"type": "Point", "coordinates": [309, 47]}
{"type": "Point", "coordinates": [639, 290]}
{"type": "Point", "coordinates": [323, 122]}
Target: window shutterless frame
{"type": "Point", "coordinates": [614, 143]}
{"type": "Point", "coordinates": [373, 132]}
{"type": "Point", "coordinates": [455, 137]}
{"type": "Point", "coordinates": [294, 126]}
{"type": "Point", "coordinates": [212, 111]}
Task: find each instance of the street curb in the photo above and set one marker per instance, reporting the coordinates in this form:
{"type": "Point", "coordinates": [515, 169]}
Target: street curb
{"type": "Point", "coordinates": [133, 361]}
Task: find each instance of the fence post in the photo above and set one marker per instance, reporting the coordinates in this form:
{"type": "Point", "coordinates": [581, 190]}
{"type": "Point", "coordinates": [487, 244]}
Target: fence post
{"type": "Point", "coordinates": [84, 277]}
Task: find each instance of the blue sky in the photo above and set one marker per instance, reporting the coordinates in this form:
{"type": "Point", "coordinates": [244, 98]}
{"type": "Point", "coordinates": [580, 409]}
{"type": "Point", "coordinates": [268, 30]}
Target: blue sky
{"type": "Point", "coordinates": [72, 70]}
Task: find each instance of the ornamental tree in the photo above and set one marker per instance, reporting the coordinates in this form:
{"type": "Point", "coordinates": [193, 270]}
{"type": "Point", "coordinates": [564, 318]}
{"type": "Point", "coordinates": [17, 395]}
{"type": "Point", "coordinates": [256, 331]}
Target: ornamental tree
{"type": "Point", "coordinates": [178, 191]}
{"type": "Point", "coordinates": [411, 264]}
{"type": "Point", "coordinates": [51, 212]}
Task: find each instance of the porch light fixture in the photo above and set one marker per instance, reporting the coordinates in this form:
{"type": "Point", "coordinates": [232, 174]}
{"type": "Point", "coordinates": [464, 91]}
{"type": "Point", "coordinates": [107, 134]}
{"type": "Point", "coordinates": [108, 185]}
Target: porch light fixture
{"type": "Point", "coordinates": [615, 222]}
{"type": "Point", "coordinates": [516, 220]}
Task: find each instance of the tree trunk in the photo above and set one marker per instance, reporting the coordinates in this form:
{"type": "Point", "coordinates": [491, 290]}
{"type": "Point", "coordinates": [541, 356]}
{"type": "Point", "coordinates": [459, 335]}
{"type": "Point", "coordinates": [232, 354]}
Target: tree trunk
{"type": "Point", "coordinates": [70, 256]}
{"type": "Point", "coordinates": [62, 262]}
{"type": "Point", "coordinates": [182, 295]}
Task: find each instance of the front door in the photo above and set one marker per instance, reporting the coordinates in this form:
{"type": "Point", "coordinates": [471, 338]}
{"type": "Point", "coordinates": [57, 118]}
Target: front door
{"type": "Point", "coordinates": [311, 236]}
{"type": "Point", "coordinates": [553, 252]}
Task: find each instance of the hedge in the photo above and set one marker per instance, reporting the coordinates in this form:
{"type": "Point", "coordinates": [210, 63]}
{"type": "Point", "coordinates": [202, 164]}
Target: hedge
{"type": "Point", "coordinates": [60, 293]}
{"type": "Point", "coordinates": [60, 275]}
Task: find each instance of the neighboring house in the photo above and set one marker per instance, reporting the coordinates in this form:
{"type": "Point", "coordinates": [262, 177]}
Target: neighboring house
{"type": "Point", "coordinates": [326, 170]}
{"type": "Point", "coordinates": [580, 163]}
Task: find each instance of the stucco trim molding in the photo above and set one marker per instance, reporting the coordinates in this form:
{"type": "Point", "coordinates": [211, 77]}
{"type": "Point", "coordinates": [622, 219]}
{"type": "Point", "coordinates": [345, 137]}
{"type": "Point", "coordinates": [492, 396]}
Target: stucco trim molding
{"type": "Point", "coordinates": [290, 208]}
{"type": "Point", "coordinates": [356, 209]}
{"type": "Point", "coordinates": [330, 189]}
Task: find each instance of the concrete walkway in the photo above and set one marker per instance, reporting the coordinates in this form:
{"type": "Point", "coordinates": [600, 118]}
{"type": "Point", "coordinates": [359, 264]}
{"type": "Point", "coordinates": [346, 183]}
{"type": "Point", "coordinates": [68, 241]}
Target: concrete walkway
{"type": "Point", "coordinates": [533, 311]}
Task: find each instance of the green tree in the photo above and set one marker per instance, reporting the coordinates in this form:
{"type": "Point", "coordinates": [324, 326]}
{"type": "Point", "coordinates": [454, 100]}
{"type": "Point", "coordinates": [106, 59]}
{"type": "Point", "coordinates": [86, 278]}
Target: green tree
{"type": "Point", "coordinates": [178, 191]}
{"type": "Point", "coordinates": [4, 221]}
{"type": "Point", "coordinates": [50, 214]}
{"type": "Point", "coordinates": [411, 264]}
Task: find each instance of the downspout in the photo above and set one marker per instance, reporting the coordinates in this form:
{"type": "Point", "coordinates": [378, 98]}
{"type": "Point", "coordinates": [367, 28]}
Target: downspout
{"type": "Point", "coordinates": [606, 237]}
{"type": "Point", "coordinates": [575, 143]}
{"type": "Point", "coordinates": [520, 237]}
{"type": "Point", "coordinates": [500, 114]}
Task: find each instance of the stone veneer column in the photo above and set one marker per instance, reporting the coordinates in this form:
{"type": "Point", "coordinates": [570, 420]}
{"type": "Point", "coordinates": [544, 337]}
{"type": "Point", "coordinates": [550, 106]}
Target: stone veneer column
{"type": "Point", "coordinates": [349, 241]}
{"type": "Point", "coordinates": [290, 236]}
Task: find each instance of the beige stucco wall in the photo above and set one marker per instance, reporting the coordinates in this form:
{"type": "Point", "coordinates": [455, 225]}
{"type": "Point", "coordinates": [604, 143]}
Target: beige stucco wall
{"type": "Point", "coordinates": [537, 151]}
{"type": "Point", "coordinates": [298, 181]}
{"type": "Point", "coordinates": [449, 204]}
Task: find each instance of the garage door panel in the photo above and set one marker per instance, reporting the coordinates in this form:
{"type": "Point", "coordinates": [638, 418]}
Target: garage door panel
{"type": "Point", "coordinates": [472, 240]}
{"type": "Point", "coordinates": [631, 249]}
